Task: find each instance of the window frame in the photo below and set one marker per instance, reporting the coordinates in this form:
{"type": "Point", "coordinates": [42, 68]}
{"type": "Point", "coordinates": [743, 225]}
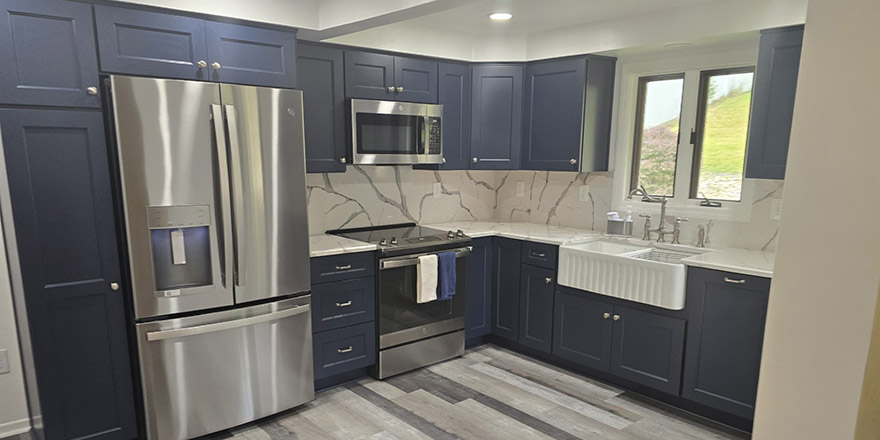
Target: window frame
{"type": "Point", "coordinates": [699, 130]}
{"type": "Point", "coordinates": [691, 61]}
{"type": "Point", "coordinates": [641, 94]}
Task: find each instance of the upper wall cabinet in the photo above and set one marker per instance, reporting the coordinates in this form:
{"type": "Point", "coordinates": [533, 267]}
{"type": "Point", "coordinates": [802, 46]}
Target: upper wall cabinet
{"type": "Point", "coordinates": [319, 71]}
{"type": "Point", "coordinates": [567, 121]}
{"type": "Point", "coordinates": [154, 44]}
{"type": "Point", "coordinates": [496, 121]}
{"type": "Point", "coordinates": [48, 53]}
{"type": "Point", "coordinates": [773, 102]}
{"type": "Point", "coordinates": [454, 94]}
{"type": "Point", "coordinates": [390, 78]}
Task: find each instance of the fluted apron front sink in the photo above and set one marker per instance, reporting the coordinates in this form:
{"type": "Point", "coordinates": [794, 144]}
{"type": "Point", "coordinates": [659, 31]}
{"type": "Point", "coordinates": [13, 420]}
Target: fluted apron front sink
{"type": "Point", "coordinates": [639, 273]}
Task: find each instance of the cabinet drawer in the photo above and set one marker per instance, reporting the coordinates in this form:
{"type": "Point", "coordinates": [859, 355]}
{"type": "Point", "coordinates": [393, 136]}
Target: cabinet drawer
{"type": "Point", "coordinates": [342, 267]}
{"type": "Point", "coordinates": [343, 303]}
{"type": "Point", "coordinates": [539, 254]}
{"type": "Point", "coordinates": [344, 349]}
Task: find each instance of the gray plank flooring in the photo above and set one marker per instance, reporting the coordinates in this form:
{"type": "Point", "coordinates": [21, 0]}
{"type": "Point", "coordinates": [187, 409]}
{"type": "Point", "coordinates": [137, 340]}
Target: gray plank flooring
{"type": "Point", "coordinates": [489, 393]}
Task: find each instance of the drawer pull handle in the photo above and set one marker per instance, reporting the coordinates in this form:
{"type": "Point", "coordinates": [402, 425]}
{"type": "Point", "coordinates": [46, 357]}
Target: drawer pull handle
{"type": "Point", "coordinates": [345, 350]}
{"type": "Point", "coordinates": [345, 304]}
{"type": "Point", "coordinates": [733, 281]}
{"type": "Point", "coordinates": [616, 317]}
{"type": "Point", "coordinates": [606, 315]}
{"type": "Point", "coordinates": [539, 255]}
{"type": "Point", "coordinates": [346, 267]}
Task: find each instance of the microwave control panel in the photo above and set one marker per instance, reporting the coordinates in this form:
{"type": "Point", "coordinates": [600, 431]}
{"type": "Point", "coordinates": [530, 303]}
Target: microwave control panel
{"type": "Point", "coordinates": [434, 142]}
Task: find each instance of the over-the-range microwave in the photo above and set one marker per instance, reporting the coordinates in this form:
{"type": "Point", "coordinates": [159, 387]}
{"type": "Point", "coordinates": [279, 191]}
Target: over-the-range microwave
{"type": "Point", "coordinates": [395, 133]}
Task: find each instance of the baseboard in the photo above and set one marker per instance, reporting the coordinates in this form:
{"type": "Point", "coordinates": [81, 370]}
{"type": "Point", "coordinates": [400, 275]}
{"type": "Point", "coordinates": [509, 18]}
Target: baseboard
{"type": "Point", "coordinates": [16, 427]}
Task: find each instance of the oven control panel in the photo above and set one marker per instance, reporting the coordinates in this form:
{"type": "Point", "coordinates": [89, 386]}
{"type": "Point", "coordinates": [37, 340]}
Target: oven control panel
{"type": "Point", "coordinates": [434, 135]}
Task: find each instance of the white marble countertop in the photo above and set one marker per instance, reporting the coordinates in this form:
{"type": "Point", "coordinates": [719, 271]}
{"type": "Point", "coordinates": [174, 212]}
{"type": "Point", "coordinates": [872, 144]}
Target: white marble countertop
{"type": "Point", "coordinates": [321, 245]}
{"type": "Point", "coordinates": [742, 261]}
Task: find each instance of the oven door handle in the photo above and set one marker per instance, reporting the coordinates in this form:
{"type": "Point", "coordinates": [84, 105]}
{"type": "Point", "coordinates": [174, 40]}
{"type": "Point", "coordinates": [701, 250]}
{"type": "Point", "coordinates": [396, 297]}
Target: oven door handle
{"type": "Point", "coordinates": [413, 260]}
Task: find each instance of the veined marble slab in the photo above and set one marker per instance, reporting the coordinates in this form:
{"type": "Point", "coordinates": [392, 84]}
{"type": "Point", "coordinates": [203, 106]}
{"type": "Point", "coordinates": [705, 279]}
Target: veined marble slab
{"type": "Point", "coordinates": [322, 245]}
{"type": "Point", "coordinates": [521, 231]}
{"type": "Point", "coordinates": [742, 261]}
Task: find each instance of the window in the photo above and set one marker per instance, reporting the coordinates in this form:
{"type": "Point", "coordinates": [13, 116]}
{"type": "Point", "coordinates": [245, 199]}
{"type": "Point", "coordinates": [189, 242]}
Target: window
{"type": "Point", "coordinates": [713, 149]}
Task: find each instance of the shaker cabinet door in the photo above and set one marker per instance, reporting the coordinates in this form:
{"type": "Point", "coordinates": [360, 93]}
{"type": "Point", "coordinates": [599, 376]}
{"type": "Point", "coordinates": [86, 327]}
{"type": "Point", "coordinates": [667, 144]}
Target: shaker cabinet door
{"type": "Point", "coordinates": [415, 80]}
{"type": "Point", "coordinates": [582, 329]}
{"type": "Point", "coordinates": [369, 76]}
{"type": "Point", "coordinates": [59, 183]}
{"type": "Point", "coordinates": [647, 348]}
{"type": "Point", "coordinates": [319, 72]}
{"type": "Point", "coordinates": [505, 288]}
{"type": "Point", "coordinates": [536, 307]}
{"type": "Point", "coordinates": [48, 54]}
{"type": "Point", "coordinates": [146, 43]}
{"type": "Point", "coordinates": [479, 289]}
{"type": "Point", "coordinates": [496, 118]}
{"type": "Point", "coordinates": [252, 56]}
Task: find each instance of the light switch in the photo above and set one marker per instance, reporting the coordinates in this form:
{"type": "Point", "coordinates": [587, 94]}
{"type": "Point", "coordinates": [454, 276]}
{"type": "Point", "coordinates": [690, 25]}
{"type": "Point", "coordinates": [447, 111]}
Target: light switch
{"type": "Point", "coordinates": [178, 251]}
{"type": "Point", "coordinates": [4, 361]}
{"type": "Point", "coordinates": [520, 188]}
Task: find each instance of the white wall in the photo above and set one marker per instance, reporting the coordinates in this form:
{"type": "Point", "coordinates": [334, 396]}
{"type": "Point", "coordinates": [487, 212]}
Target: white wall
{"type": "Point", "coordinates": [826, 278]}
{"type": "Point", "coordinates": [13, 402]}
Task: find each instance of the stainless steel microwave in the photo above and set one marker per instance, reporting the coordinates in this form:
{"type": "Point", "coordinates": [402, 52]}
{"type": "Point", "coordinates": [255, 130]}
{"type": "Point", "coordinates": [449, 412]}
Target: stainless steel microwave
{"type": "Point", "coordinates": [395, 133]}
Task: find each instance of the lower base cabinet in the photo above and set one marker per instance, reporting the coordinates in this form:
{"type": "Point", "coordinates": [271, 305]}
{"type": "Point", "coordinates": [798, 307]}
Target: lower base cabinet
{"type": "Point", "coordinates": [536, 307]}
{"type": "Point", "coordinates": [642, 347]}
{"type": "Point", "coordinates": [505, 288]}
{"type": "Point", "coordinates": [344, 349]}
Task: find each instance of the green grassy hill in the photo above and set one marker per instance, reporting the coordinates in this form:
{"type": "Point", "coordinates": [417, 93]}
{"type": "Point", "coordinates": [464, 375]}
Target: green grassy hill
{"type": "Point", "coordinates": [727, 124]}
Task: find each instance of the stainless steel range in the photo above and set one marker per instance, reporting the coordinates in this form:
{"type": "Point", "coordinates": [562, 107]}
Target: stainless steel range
{"type": "Point", "coordinates": [413, 335]}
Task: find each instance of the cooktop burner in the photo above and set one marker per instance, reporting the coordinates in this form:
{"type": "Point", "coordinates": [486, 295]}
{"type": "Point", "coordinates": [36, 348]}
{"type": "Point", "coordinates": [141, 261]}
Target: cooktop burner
{"type": "Point", "coordinates": [403, 236]}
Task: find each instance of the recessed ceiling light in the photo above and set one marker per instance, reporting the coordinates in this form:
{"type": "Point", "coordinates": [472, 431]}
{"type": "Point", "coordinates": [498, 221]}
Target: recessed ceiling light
{"type": "Point", "coordinates": [501, 16]}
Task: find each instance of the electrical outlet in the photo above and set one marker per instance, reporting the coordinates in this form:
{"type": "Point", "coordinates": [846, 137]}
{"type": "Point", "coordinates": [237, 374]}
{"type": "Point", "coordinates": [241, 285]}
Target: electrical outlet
{"type": "Point", "coordinates": [584, 193]}
{"type": "Point", "coordinates": [520, 188]}
{"type": "Point", "coordinates": [775, 209]}
{"type": "Point", "coordinates": [438, 189]}
{"type": "Point", "coordinates": [4, 362]}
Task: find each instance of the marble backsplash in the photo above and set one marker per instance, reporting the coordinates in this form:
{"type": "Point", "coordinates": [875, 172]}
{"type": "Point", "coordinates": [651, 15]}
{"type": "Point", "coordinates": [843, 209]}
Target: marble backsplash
{"type": "Point", "coordinates": [376, 195]}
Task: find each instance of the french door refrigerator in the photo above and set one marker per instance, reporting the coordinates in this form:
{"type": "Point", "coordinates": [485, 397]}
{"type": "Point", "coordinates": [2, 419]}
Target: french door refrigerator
{"type": "Point", "coordinates": [213, 187]}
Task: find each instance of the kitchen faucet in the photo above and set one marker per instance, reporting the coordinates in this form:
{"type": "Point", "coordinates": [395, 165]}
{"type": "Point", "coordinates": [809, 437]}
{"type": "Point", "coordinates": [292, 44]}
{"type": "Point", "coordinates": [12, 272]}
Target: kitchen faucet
{"type": "Point", "coordinates": [661, 229]}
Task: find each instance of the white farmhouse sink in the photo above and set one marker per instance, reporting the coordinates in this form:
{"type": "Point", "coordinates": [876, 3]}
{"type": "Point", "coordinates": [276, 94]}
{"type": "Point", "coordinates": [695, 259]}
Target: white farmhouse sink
{"type": "Point", "coordinates": [634, 272]}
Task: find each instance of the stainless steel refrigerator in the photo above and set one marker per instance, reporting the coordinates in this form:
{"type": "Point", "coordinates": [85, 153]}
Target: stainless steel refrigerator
{"type": "Point", "coordinates": [213, 183]}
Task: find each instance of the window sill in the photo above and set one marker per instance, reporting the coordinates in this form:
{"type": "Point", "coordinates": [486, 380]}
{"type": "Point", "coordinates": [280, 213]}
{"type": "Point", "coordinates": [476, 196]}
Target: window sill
{"type": "Point", "coordinates": [729, 211]}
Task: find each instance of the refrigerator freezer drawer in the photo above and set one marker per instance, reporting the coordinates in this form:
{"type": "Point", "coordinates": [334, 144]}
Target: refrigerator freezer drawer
{"type": "Point", "coordinates": [205, 373]}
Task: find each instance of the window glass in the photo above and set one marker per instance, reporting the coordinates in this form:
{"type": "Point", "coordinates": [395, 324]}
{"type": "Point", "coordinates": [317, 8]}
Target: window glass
{"type": "Point", "coordinates": [656, 139]}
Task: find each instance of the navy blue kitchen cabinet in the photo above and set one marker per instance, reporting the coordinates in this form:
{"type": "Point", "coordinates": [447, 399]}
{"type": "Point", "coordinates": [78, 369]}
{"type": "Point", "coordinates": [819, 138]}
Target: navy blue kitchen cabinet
{"type": "Point", "coordinates": [147, 43]}
{"type": "Point", "coordinates": [387, 77]}
{"type": "Point", "coordinates": [773, 96]}
{"type": "Point", "coordinates": [479, 289]}
{"type": "Point", "coordinates": [48, 53]}
{"type": "Point", "coordinates": [505, 288]}
{"type": "Point", "coordinates": [345, 349]}
{"type": "Point", "coordinates": [496, 118]}
{"type": "Point", "coordinates": [320, 77]}
{"type": "Point", "coordinates": [343, 303]}
{"type": "Point", "coordinates": [151, 44]}
{"type": "Point", "coordinates": [582, 329]}
{"type": "Point", "coordinates": [567, 122]}
{"type": "Point", "coordinates": [62, 207]}
{"type": "Point", "coordinates": [536, 307]}
{"type": "Point", "coordinates": [454, 94]}
{"type": "Point", "coordinates": [725, 339]}
{"type": "Point", "coordinates": [249, 55]}
{"type": "Point", "coordinates": [647, 348]}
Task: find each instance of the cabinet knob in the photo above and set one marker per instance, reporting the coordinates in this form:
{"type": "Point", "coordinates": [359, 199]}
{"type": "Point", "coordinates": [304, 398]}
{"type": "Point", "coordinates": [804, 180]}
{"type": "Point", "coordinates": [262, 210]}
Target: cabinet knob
{"type": "Point", "coordinates": [216, 65]}
{"type": "Point", "coordinates": [202, 64]}
{"type": "Point", "coordinates": [399, 89]}
{"type": "Point", "coordinates": [616, 317]}
{"type": "Point", "coordinates": [572, 161]}
{"type": "Point", "coordinates": [444, 160]}
{"type": "Point", "coordinates": [476, 160]}
{"type": "Point", "coordinates": [92, 91]}
{"type": "Point", "coordinates": [606, 315]}
{"type": "Point", "coordinates": [548, 280]}
{"type": "Point", "coordinates": [114, 286]}
{"type": "Point", "coordinates": [343, 160]}
{"type": "Point", "coordinates": [391, 89]}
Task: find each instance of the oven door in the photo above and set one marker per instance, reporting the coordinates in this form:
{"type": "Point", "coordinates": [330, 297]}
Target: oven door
{"type": "Point", "coordinates": [389, 133]}
{"type": "Point", "coordinates": [401, 318]}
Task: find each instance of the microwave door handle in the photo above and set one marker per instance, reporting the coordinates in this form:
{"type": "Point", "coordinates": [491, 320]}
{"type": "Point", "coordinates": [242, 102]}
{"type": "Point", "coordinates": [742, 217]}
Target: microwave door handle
{"type": "Point", "coordinates": [237, 195]}
{"type": "Point", "coordinates": [223, 181]}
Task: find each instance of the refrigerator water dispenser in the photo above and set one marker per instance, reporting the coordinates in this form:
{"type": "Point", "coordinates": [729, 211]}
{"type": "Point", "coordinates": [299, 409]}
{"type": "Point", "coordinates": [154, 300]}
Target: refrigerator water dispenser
{"type": "Point", "coordinates": [181, 245]}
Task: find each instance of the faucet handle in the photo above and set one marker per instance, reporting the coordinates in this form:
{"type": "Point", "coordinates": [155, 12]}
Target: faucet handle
{"type": "Point", "coordinates": [645, 215]}
{"type": "Point", "coordinates": [681, 219]}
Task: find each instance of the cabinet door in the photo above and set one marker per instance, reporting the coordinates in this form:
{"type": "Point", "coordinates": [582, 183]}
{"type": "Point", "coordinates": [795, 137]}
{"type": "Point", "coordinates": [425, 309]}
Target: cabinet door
{"type": "Point", "coordinates": [598, 109]}
{"type": "Point", "coordinates": [725, 338]}
{"type": "Point", "coordinates": [647, 348]}
{"type": "Point", "coordinates": [479, 289]}
{"type": "Point", "coordinates": [151, 44]}
{"type": "Point", "coordinates": [505, 288]}
{"type": "Point", "coordinates": [369, 75]}
{"type": "Point", "coordinates": [64, 224]}
{"type": "Point", "coordinates": [536, 307]}
{"type": "Point", "coordinates": [776, 76]}
{"type": "Point", "coordinates": [250, 55]}
{"type": "Point", "coordinates": [454, 93]}
{"type": "Point", "coordinates": [582, 329]}
{"type": "Point", "coordinates": [319, 72]}
{"type": "Point", "coordinates": [343, 303]}
{"type": "Point", "coordinates": [415, 80]}
{"type": "Point", "coordinates": [48, 53]}
{"type": "Point", "coordinates": [554, 115]}
{"type": "Point", "coordinates": [496, 121]}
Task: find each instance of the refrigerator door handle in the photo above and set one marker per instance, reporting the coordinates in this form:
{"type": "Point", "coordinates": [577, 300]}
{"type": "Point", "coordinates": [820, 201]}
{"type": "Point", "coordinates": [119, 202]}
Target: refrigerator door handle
{"type": "Point", "coordinates": [220, 326]}
{"type": "Point", "coordinates": [223, 179]}
{"type": "Point", "coordinates": [237, 196]}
